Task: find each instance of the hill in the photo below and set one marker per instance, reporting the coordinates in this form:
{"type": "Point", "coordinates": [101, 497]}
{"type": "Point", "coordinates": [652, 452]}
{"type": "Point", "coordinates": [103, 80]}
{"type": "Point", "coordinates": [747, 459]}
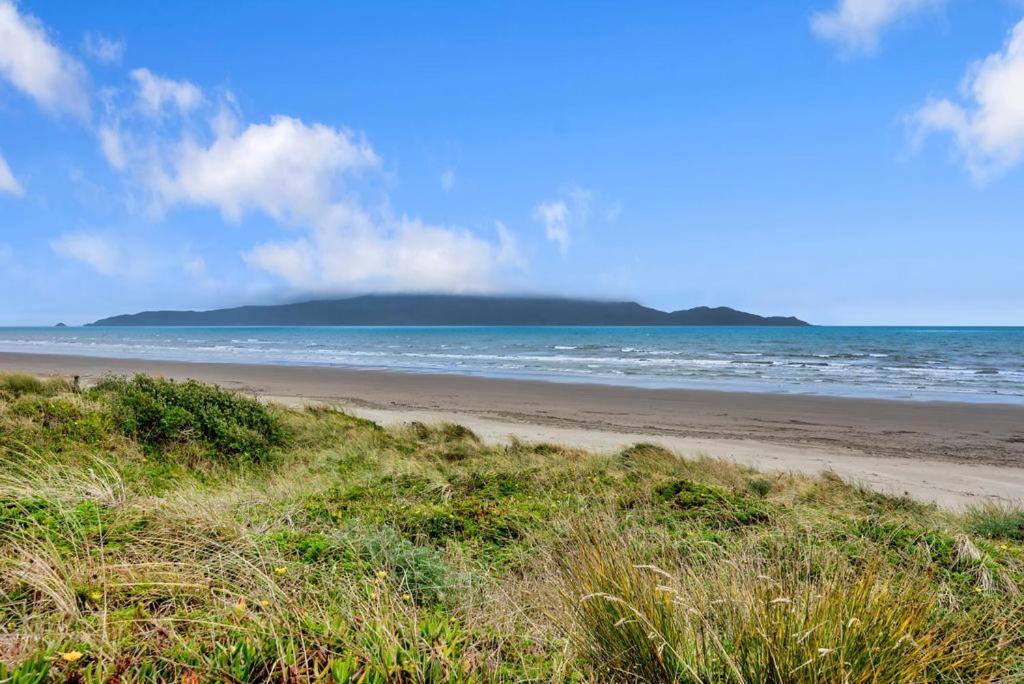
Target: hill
{"type": "Point", "coordinates": [423, 309]}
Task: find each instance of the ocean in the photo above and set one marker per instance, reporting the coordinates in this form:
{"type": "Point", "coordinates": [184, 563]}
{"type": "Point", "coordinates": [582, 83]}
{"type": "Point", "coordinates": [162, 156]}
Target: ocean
{"type": "Point", "coordinates": [924, 363]}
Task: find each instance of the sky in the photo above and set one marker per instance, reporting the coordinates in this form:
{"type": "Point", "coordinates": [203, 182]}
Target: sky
{"type": "Point", "coordinates": [845, 161]}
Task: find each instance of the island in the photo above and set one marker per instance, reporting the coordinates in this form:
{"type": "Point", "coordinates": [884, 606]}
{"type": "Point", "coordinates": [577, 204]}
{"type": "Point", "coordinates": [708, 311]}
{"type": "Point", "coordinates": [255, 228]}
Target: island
{"type": "Point", "coordinates": [436, 309]}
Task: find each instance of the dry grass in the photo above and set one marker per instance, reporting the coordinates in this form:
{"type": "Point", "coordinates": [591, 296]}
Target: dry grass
{"type": "Point", "coordinates": [18, 384]}
{"type": "Point", "coordinates": [781, 612]}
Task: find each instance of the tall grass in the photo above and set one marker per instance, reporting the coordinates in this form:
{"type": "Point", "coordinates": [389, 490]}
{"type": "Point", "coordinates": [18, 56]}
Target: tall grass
{"type": "Point", "coordinates": [997, 520]}
{"type": "Point", "coordinates": [19, 384]}
{"type": "Point", "coordinates": [784, 612]}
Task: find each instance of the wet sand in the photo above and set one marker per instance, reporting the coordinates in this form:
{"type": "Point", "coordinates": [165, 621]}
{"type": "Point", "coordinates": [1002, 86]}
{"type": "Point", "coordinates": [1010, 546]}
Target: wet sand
{"type": "Point", "coordinates": [948, 452]}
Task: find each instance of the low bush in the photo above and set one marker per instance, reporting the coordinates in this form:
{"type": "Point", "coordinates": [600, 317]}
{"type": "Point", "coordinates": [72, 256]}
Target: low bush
{"type": "Point", "coordinates": [231, 427]}
{"type": "Point", "coordinates": [712, 505]}
{"type": "Point", "coordinates": [420, 570]}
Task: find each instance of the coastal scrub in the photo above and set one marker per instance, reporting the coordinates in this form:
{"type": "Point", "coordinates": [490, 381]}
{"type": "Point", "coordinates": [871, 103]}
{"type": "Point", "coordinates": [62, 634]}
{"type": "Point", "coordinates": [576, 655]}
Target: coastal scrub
{"type": "Point", "coordinates": [160, 531]}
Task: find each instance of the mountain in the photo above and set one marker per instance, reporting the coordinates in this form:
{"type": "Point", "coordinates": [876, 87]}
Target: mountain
{"type": "Point", "coordinates": [421, 309]}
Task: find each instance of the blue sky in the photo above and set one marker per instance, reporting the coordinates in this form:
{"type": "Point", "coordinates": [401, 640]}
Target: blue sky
{"type": "Point", "coordinates": [847, 161]}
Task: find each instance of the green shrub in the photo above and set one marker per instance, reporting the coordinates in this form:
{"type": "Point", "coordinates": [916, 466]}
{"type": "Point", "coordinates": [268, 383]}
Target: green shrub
{"type": "Point", "coordinates": [759, 486]}
{"type": "Point", "coordinates": [711, 505]}
{"type": "Point", "coordinates": [418, 569]}
{"type": "Point", "coordinates": [158, 412]}
{"type": "Point", "coordinates": [316, 547]}
{"type": "Point", "coordinates": [64, 416]}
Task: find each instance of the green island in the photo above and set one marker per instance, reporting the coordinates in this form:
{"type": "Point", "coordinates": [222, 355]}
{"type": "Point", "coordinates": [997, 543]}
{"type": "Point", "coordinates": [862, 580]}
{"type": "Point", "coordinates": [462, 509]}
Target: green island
{"type": "Point", "coordinates": [153, 530]}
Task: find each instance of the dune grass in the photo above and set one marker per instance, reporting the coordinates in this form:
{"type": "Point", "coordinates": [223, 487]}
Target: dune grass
{"type": "Point", "coordinates": [157, 531]}
{"type": "Point", "coordinates": [16, 384]}
{"type": "Point", "coordinates": [997, 521]}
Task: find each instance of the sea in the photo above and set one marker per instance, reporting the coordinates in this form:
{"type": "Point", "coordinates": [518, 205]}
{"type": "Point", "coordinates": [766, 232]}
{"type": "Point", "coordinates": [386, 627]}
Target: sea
{"type": "Point", "coordinates": [917, 363]}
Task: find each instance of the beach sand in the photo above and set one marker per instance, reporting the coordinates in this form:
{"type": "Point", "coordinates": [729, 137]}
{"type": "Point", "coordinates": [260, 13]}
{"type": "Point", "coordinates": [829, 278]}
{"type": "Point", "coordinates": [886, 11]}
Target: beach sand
{"type": "Point", "coordinates": [947, 452]}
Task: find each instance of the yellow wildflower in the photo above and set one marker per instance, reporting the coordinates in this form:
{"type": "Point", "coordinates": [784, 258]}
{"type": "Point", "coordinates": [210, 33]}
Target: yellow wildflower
{"type": "Point", "coordinates": [280, 570]}
{"type": "Point", "coordinates": [96, 596]}
{"type": "Point", "coordinates": [382, 574]}
{"type": "Point", "coordinates": [1004, 547]}
{"type": "Point", "coordinates": [264, 602]}
{"type": "Point", "coordinates": [406, 597]}
{"type": "Point", "coordinates": [71, 656]}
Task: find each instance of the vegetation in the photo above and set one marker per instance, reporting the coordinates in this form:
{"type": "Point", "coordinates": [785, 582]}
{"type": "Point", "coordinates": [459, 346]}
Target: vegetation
{"type": "Point", "coordinates": [997, 521]}
{"type": "Point", "coordinates": [159, 531]}
{"type": "Point", "coordinates": [160, 412]}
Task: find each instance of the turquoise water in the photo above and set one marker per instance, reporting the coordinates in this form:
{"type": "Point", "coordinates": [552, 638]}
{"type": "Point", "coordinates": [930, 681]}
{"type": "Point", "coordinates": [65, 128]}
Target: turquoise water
{"type": "Point", "coordinates": [974, 364]}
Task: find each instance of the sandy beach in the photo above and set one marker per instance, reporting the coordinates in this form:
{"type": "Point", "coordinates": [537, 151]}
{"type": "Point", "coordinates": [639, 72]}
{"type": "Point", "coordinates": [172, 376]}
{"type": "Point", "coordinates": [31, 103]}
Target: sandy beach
{"type": "Point", "coordinates": [947, 452]}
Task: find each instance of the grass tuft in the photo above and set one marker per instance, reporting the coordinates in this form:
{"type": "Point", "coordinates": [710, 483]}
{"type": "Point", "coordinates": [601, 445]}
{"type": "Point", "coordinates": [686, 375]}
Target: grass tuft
{"type": "Point", "coordinates": [787, 613]}
{"type": "Point", "coordinates": [997, 521]}
{"type": "Point", "coordinates": [21, 384]}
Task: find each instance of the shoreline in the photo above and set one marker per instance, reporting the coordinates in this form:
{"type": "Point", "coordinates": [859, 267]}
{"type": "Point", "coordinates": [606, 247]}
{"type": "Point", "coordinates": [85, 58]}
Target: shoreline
{"type": "Point", "coordinates": [890, 363]}
{"type": "Point", "coordinates": [948, 452]}
{"type": "Point", "coordinates": [927, 397]}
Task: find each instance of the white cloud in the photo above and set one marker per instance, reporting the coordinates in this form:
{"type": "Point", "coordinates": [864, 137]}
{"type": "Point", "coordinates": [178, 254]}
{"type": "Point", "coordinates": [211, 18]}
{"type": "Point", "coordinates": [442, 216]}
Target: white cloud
{"type": "Point", "coordinates": [408, 255]}
{"type": "Point", "coordinates": [856, 25]}
{"type": "Point", "coordinates": [112, 145]}
{"type": "Point", "coordinates": [97, 251]}
{"type": "Point", "coordinates": [286, 169]}
{"type": "Point", "coordinates": [8, 183]}
{"type": "Point", "coordinates": [448, 180]}
{"type": "Point", "coordinates": [988, 127]}
{"type": "Point", "coordinates": [300, 175]}
{"type": "Point", "coordinates": [102, 49]}
{"type": "Point", "coordinates": [559, 216]}
{"type": "Point", "coordinates": [156, 92]}
{"type": "Point", "coordinates": [35, 66]}
{"type": "Point", "coordinates": [305, 177]}
{"type": "Point", "coordinates": [555, 217]}
{"type": "Point", "coordinates": [127, 134]}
